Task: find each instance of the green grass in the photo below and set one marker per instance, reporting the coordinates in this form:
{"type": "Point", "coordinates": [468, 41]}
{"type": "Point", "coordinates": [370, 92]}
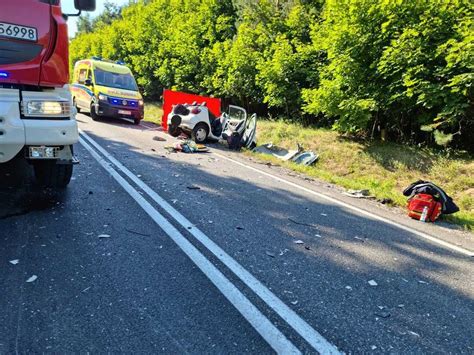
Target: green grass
{"type": "Point", "coordinates": [153, 112]}
{"type": "Point", "coordinates": [383, 168]}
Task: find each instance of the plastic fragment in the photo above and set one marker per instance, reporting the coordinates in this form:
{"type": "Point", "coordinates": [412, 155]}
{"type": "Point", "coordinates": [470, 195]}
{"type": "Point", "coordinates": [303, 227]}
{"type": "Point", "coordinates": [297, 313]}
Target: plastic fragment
{"type": "Point", "coordinates": [298, 242]}
{"type": "Point", "coordinates": [32, 279]}
{"type": "Point", "coordinates": [373, 283]}
{"type": "Point", "coordinates": [104, 236]}
{"type": "Point", "coordinates": [14, 262]}
{"type": "Point", "coordinates": [270, 254]}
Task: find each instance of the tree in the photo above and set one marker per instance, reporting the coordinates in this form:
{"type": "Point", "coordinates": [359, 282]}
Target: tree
{"type": "Point", "coordinates": [84, 24]}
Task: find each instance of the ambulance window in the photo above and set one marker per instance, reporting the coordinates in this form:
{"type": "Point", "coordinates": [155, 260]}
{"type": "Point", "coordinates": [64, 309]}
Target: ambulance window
{"type": "Point", "coordinates": [82, 76]}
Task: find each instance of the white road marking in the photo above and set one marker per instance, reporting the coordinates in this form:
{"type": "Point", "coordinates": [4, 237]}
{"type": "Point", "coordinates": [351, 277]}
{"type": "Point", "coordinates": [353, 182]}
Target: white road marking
{"type": "Point", "coordinates": [315, 339]}
{"type": "Point", "coordinates": [262, 325]}
{"type": "Point", "coordinates": [354, 208]}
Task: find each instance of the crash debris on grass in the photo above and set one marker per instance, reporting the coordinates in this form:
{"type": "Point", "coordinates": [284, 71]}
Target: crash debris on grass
{"type": "Point", "coordinates": [359, 194]}
{"type": "Point", "coordinates": [297, 156]}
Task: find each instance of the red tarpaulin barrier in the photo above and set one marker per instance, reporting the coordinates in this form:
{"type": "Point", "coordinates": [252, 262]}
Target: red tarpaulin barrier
{"type": "Point", "coordinates": [171, 98]}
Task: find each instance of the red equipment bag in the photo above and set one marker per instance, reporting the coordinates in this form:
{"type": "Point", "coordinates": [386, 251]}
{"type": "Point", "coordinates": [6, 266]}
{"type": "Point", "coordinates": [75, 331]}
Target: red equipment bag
{"type": "Point", "coordinates": [417, 204]}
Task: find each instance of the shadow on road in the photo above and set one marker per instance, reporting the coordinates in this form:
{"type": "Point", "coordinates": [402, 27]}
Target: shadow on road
{"type": "Point", "coordinates": [342, 252]}
{"type": "Point", "coordinates": [20, 195]}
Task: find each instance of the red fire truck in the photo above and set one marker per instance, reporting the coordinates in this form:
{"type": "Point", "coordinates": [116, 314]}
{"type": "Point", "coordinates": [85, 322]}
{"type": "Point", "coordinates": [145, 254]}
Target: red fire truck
{"type": "Point", "coordinates": [37, 120]}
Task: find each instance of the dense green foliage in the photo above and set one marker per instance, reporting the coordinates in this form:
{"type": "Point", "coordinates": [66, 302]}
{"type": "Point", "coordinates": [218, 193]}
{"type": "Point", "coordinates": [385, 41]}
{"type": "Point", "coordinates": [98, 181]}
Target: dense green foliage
{"type": "Point", "coordinates": [404, 67]}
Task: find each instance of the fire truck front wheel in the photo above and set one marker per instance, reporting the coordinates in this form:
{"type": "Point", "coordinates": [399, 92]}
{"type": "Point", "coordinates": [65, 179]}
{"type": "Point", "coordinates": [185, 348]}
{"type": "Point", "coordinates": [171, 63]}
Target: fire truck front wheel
{"type": "Point", "coordinates": [50, 174]}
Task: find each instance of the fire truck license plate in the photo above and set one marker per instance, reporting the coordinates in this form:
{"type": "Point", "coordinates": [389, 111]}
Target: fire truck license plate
{"type": "Point", "coordinates": [19, 32]}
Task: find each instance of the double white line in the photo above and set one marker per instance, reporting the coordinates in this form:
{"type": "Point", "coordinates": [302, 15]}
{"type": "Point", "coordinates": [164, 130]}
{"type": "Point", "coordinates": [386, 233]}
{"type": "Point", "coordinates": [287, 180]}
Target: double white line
{"type": "Point", "coordinates": [272, 335]}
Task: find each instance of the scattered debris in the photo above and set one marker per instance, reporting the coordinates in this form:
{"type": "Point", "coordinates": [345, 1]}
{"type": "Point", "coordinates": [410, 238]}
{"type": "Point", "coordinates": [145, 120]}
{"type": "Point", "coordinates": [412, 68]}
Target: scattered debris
{"type": "Point", "coordinates": [359, 238]}
{"type": "Point", "coordinates": [318, 236]}
{"type": "Point", "coordinates": [385, 201]}
{"type": "Point", "coordinates": [14, 262]}
{"type": "Point", "coordinates": [401, 306]}
{"type": "Point", "coordinates": [359, 194]}
{"type": "Point", "coordinates": [283, 252]}
{"type": "Point", "coordinates": [137, 233]}
{"type": "Point", "coordinates": [414, 334]}
{"type": "Point", "coordinates": [307, 247]}
{"type": "Point", "coordinates": [349, 288]}
{"type": "Point", "coordinates": [324, 214]}
{"type": "Point", "coordinates": [159, 139]}
{"type": "Point", "coordinates": [294, 303]}
{"type": "Point", "coordinates": [187, 146]}
{"type": "Point", "coordinates": [383, 314]}
{"type": "Point", "coordinates": [373, 347]}
{"type": "Point", "coordinates": [192, 187]}
{"type": "Point", "coordinates": [298, 156]}
{"type": "Point", "coordinates": [423, 282]}
{"type": "Point", "coordinates": [240, 228]}
{"type": "Point", "coordinates": [32, 279]}
{"type": "Point", "coordinates": [86, 289]}
{"type": "Point", "coordinates": [103, 236]}
{"type": "Point", "coordinates": [373, 283]}
{"type": "Point", "coordinates": [302, 224]}
{"type": "Point", "coordinates": [270, 254]}
{"type": "Point", "coordinates": [298, 242]}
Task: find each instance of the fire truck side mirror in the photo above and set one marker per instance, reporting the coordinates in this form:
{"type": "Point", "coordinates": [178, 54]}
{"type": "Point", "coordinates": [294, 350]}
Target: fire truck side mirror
{"type": "Point", "coordinates": [84, 5]}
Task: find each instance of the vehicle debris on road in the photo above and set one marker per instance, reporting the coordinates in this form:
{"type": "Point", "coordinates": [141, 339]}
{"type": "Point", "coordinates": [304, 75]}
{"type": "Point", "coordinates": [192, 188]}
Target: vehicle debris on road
{"type": "Point", "coordinates": [272, 255]}
{"type": "Point", "coordinates": [32, 279]}
{"type": "Point", "coordinates": [159, 139]}
{"type": "Point", "coordinates": [187, 146]}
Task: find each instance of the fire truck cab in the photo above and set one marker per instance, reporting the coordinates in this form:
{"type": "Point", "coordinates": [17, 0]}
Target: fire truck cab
{"type": "Point", "coordinates": [37, 120]}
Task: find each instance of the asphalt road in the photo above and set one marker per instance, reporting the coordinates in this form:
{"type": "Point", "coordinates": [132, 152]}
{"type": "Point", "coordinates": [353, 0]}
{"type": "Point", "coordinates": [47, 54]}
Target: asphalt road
{"type": "Point", "coordinates": [150, 251]}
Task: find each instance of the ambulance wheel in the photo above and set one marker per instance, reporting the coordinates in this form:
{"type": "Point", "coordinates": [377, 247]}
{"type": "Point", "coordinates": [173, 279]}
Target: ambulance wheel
{"type": "Point", "coordinates": [50, 174]}
{"type": "Point", "coordinates": [200, 132]}
{"type": "Point", "coordinates": [94, 115]}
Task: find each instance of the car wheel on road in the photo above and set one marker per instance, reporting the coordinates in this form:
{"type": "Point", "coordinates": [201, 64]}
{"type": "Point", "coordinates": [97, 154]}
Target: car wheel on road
{"type": "Point", "coordinates": [200, 132]}
{"type": "Point", "coordinates": [94, 114]}
{"type": "Point", "coordinates": [136, 121]}
{"type": "Point", "coordinates": [50, 174]}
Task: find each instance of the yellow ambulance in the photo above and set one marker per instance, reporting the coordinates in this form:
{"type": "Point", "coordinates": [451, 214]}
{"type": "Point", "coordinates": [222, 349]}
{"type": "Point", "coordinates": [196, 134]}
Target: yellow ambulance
{"type": "Point", "coordinates": [106, 89]}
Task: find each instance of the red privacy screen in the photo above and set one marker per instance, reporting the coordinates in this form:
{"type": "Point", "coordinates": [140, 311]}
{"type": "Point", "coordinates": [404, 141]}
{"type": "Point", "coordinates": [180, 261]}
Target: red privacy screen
{"type": "Point", "coordinates": [171, 98]}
